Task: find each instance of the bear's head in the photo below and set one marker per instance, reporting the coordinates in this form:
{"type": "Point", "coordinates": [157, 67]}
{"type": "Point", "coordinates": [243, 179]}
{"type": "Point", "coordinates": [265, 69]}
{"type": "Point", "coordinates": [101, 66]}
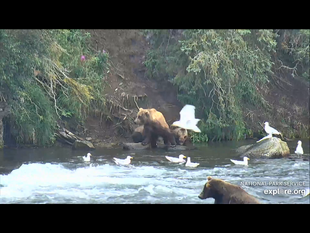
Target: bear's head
{"type": "Point", "coordinates": [209, 190]}
{"type": "Point", "coordinates": [143, 116]}
{"type": "Point", "coordinates": [181, 134]}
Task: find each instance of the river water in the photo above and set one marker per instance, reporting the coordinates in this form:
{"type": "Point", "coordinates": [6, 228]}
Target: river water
{"type": "Point", "coordinates": [59, 175]}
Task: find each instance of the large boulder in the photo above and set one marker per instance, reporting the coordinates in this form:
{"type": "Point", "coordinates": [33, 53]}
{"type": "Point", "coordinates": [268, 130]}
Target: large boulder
{"type": "Point", "coordinates": [271, 148]}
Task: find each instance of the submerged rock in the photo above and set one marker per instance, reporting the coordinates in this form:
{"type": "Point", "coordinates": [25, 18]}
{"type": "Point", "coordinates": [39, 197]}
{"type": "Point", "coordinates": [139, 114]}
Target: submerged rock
{"type": "Point", "coordinates": [106, 145]}
{"type": "Point", "coordinates": [82, 144]}
{"type": "Point", "coordinates": [138, 146]}
{"type": "Point", "coordinates": [271, 148]}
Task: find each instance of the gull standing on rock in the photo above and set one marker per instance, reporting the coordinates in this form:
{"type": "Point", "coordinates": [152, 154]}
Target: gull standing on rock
{"type": "Point", "coordinates": [123, 161]}
{"type": "Point", "coordinates": [187, 119]}
{"type": "Point", "coordinates": [87, 158]}
{"type": "Point", "coordinates": [299, 151]}
{"type": "Point", "coordinates": [271, 130]}
{"type": "Point", "coordinates": [190, 164]}
{"type": "Point", "coordinates": [177, 160]}
{"type": "Point", "coordinates": [244, 162]}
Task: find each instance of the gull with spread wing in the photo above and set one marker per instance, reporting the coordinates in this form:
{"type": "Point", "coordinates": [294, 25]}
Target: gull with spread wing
{"type": "Point", "coordinates": [187, 119]}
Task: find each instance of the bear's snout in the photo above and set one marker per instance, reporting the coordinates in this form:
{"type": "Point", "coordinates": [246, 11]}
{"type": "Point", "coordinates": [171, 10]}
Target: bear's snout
{"type": "Point", "coordinates": [205, 193]}
{"type": "Point", "coordinates": [201, 196]}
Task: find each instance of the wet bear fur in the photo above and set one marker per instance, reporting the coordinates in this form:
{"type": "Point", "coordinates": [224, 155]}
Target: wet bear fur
{"type": "Point", "coordinates": [138, 135]}
{"type": "Point", "coordinates": [155, 126]}
{"type": "Point", "coordinates": [180, 135]}
{"type": "Point", "coordinates": [226, 193]}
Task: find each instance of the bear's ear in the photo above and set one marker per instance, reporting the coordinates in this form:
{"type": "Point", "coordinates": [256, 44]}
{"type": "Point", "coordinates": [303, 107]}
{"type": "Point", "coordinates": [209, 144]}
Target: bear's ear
{"type": "Point", "coordinates": [140, 109]}
{"type": "Point", "coordinates": [209, 178]}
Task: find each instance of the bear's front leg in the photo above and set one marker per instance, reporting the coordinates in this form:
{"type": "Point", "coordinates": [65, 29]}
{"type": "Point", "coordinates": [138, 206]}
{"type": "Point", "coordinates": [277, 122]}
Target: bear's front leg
{"type": "Point", "coordinates": [148, 135]}
{"type": "Point", "coordinates": [153, 141]}
{"type": "Point", "coordinates": [167, 142]}
{"type": "Point", "coordinates": [172, 140]}
{"type": "Point", "coordinates": [145, 142]}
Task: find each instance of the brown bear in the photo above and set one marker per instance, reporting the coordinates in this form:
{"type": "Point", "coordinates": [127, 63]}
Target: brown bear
{"type": "Point", "coordinates": [155, 126]}
{"type": "Point", "coordinates": [180, 135]}
{"type": "Point", "coordinates": [138, 135]}
{"type": "Point", "coordinates": [226, 193]}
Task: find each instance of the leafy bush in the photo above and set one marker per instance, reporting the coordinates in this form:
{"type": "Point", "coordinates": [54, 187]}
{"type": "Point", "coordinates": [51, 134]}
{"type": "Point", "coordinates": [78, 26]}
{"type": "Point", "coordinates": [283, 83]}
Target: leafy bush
{"type": "Point", "coordinates": [215, 70]}
{"type": "Point", "coordinates": [43, 79]}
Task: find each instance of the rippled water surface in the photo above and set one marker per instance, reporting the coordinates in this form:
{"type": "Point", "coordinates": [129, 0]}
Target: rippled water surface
{"type": "Point", "coordinates": [61, 176]}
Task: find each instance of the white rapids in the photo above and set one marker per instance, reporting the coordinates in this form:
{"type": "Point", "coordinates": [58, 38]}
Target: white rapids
{"type": "Point", "coordinates": [149, 178]}
{"type": "Point", "coordinates": [54, 183]}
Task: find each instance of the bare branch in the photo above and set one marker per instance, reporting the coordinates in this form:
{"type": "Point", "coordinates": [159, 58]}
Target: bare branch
{"type": "Point", "coordinates": [294, 69]}
{"type": "Point", "coordinates": [134, 99]}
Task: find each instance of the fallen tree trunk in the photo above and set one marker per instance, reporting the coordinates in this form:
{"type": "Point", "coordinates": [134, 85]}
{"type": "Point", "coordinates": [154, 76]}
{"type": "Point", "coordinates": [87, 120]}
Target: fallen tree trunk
{"type": "Point", "coordinates": [138, 146]}
{"type": "Point", "coordinates": [65, 136]}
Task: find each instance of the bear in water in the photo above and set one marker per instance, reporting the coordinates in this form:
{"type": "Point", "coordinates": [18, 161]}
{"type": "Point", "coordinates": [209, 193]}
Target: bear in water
{"type": "Point", "coordinates": [226, 193]}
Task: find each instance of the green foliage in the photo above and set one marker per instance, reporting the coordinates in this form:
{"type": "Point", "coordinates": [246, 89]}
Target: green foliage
{"type": "Point", "coordinates": [166, 57]}
{"type": "Point", "coordinates": [198, 138]}
{"type": "Point", "coordinates": [43, 80]}
{"type": "Point", "coordinates": [33, 116]}
{"type": "Point", "coordinates": [215, 70]}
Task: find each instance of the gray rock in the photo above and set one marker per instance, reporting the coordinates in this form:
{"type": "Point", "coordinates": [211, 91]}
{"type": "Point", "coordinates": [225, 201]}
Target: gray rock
{"type": "Point", "coordinates": [271, 148]}
{"type": "Point", "coordinates": [107, 145]}
{"type": "Point", "coordinates": [82, 144]}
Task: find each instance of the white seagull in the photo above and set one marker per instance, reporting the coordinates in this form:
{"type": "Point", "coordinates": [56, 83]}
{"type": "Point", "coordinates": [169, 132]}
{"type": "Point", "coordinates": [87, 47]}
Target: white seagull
{"type": "Point", "coordinates": [299, 151]}
{"type": "Point", "coordinates": [190, 164]}
{"type": "Point", "coordinates": [187, 119]}
{"type": "Point", "coordinates": [87, 158]}
{"type": "Point", "coordinates": [177, 160]}
{"type": "Point", "coordinates": [270, 130]}
{"type": "Point", "coordinates": [244, 162]}
{"type": "Point", "coordinates": [123, 161]}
